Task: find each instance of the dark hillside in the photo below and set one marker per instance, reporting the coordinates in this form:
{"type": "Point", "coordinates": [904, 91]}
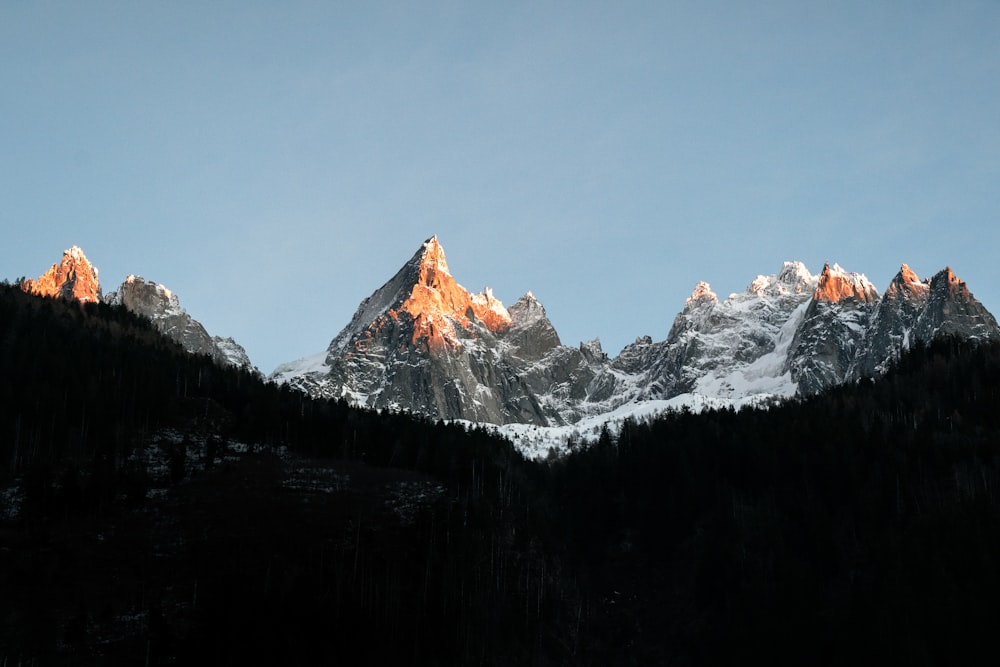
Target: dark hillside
{"type": "Point", "coordinates": [859, 525]}
{"type": "Point", "coordinates": [158, 509]}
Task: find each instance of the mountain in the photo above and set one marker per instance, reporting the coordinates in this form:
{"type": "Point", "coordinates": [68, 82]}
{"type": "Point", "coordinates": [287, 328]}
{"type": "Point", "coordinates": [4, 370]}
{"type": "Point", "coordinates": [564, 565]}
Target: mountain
{"type": "Point", "coordinates": [423, 343]}
{"type": "Point", "coordinates": [914, 309]}
{"type": "Point", "coordinates": [162, 307]}
{"type": "Point", "coordinates": [74, 277]}
{"type": "Point", "coordinates": [834, 324]}
{"type": "Point", "coordinates": [731, 348]}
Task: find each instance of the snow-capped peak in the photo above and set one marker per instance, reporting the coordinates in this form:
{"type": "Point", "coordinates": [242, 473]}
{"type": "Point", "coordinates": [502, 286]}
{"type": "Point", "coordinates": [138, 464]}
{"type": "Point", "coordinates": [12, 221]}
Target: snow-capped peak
{"type": "Point", "coordinates": [702, 293]}
{"type": "Point", "coordinates": [794, 278]}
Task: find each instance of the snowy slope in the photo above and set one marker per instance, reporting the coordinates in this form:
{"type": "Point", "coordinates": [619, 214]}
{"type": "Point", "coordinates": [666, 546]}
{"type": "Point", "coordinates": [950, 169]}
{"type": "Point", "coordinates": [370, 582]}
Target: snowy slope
{"type": "Point", "coordinates": [423, 343]}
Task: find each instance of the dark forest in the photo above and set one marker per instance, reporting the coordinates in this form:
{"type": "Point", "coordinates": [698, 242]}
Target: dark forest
{"type": "Point", "coordinates": [158, 509]}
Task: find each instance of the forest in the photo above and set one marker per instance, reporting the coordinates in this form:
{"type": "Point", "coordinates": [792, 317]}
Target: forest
{"type": "Point", "coordinates": [158, 509]}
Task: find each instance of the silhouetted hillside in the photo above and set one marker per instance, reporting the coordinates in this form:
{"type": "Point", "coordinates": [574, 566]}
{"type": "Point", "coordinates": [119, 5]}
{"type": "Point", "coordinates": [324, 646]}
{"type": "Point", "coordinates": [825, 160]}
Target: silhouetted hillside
{"type": "Point", "coordinates": [157, 508]}
{"type": "Point", "coordinates": [861, 525]}
{"type": "Point", "coordinates": [161, 506]}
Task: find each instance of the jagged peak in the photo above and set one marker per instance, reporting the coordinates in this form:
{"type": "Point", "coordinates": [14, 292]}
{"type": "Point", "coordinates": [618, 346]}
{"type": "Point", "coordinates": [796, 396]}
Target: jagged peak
{"type": "Point", "coordinates": [432, 258]}
{"type": "Point", "coordinates": [947, 274]}
{"type": "Point", "coordinates": [835, 285]}
{"type": "Point", "coordinates": [592, 349]}
{"type": "Point", "coordinates": [794, 278]}
{"type": "Point", "coordinates": [74, 277]}
{"type": "Point", "coordinates": [906, 274]}
{"type": "Point", "coordinates": [526, 311]}
{"type": "Point", "coordinates": [528, 297]}
{"type": "Point", "coordinates": [490, 311]}
{"type": "Point", "coordinates": [436, 303]}
{"type": "Point", "coordinates": [161, 288]}
{"type": "Point", "coordinates": [145, 297]}
{"type": "Point", "coordinates": [134, 281]}
{"type": "Point", "coordinates": [907, 283]}
{"type": "Point", "coordinates": [946, 280]}
{"type": "Point", "coordinates": [702, 293]}
{"type": "Point", "coordinates": [795, 274]}
{"type": "Point", "coordinates": [76, 252]}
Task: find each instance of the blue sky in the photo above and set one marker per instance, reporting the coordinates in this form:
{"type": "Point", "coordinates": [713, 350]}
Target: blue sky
{"type": "Point", "coordinates": [275, 163]}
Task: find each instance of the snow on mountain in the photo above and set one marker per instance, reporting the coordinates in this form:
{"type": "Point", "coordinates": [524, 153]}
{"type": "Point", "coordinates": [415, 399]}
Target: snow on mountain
{"type": "Point", "coordinates": [736, 347]}
{"type": "Point", "coordinates": [833, 327]}
{"type": "Point", "coordinates": [232, 353]}
{"type": "Point", "coordinates": [423, 343]}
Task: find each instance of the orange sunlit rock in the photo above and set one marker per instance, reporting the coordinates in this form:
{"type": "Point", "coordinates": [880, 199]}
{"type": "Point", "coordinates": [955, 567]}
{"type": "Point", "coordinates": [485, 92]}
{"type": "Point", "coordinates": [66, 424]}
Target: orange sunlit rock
{"type": "Point", "coordinates": [907, 283]}
{"type": "Point", "coordinates": [72, 278]}
{"type": "Point", "coordinates": [835, 286]}
{"type": "Point", "coordinates": [702, 293]}
{"type": "Point", "coordinates": [490, 311]}
{"type": "Point", "coordinates": [438, 303]}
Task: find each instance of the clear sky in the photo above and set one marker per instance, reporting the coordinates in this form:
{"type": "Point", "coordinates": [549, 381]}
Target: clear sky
{"type": "Point", "coordinates": [274, 163]}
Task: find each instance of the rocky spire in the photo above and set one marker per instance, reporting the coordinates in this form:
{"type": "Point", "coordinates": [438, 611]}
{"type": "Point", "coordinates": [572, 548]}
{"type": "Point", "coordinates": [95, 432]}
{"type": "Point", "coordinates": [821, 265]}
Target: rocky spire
{"type": "Point", "coordinates": [946, 282]}
{"type": "Point", "coordinates": [72, 278]}
{"type": "Point", "coordinates": [836, 284]}
{"type": "Point", "coordinates": [531, 334]}
{"type": "Point", "coordinates": [702, 293]}
{"type": "Point", "coordinates": [437, 303]}
{"type": "Point", "coordinates": [907, 284]}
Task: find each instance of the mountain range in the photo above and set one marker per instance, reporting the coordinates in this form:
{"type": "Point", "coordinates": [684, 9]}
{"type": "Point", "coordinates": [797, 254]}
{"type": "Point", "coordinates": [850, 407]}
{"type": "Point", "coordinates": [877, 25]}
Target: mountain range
{"type": "Point", "coordinates": [162, 507]}
{"type": "Point", "coordinates": [424, 343]}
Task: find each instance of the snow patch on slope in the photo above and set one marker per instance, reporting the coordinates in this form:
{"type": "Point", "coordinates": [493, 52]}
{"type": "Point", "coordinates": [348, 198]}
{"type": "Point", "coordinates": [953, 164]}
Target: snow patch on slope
{"type": "Point", "coordinates": [539, 442]}
{"type": "Point", "coordinates": [764, 376]}
{"type": "Point", "coordinates": [315, 363]}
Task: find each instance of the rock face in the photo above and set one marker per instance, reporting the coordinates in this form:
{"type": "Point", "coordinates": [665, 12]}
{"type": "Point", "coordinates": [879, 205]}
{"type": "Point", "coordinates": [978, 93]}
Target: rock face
{"type": "Point", "coordinates": [162, 307]}
{"type": "Point", "coordinates": [835, 322]}
{"type": "Point", "coordinates": [72, 278]}
{"type": "Point", "coordinates": [422, 342]}
{"type": "Point", "coordinates": [76, 278]}
{"type": "Point", "coordinates": [914, 310]}
{"type": "Point", "coordinates": [531, 336]}
{"type": "Point", "coordinates": [727, 349]}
